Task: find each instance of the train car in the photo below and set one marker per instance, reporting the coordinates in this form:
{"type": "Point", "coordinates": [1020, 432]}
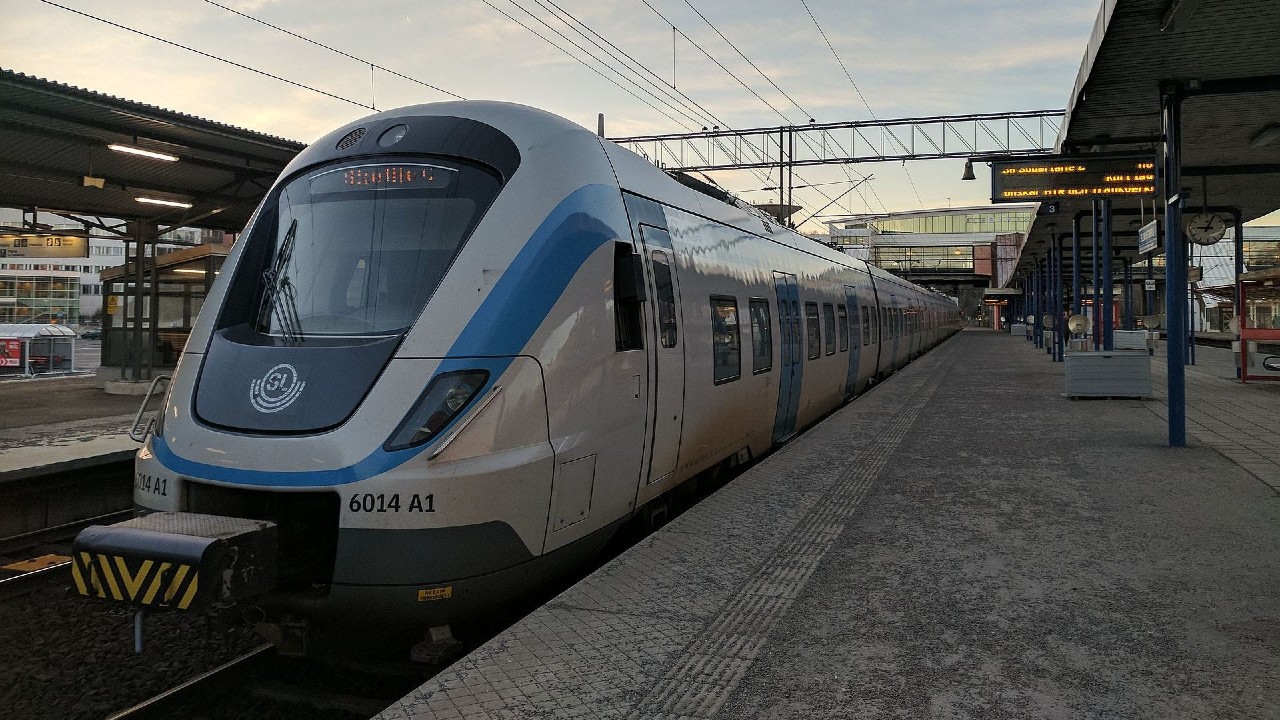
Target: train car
{"type": "Point", "coordinates": [456, 348]}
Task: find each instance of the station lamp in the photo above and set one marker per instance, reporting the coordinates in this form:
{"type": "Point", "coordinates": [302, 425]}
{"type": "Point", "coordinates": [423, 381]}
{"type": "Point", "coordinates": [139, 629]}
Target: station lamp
{"type": "Point", "coordinates": [968, 170]}
{"type": "Point", "coordinates": [134, 150]}
{"type": "Point", "coordinates": [166, 203]}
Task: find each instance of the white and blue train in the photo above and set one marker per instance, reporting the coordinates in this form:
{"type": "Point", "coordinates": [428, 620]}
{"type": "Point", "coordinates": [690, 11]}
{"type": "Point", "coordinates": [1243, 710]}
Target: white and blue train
{"type": "Point", "coordinates": [458, 346]}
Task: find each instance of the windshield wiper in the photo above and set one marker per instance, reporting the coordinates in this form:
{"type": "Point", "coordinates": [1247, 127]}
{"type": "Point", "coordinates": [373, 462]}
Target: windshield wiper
{"type": "Point", "coordinates": [277, 286]}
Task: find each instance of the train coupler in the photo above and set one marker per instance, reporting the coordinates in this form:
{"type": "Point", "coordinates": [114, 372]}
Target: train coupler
{"type": "Point", "coordinates": [437, 648]}
{"type": "Point", "coordinates": [183, 561]}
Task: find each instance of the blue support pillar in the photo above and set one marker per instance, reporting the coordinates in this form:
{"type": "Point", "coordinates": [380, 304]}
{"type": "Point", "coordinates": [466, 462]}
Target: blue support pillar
{"type": "Point", "coordinates": [1149, 304]}
{"type": "Point", "coordinates": [1095, 316]}
{"type": "Point", "coordinates": [1239, 294]}
{"type": "Point", "coordinates": [1128, 295]}
{"type": "Point", "coordinates": [1059, 339]}
{"type": "Point", "coordinates": [1108, 296]}
{"type": "Point", "coordinates": [1050, 324]}
{"type": "Point", "coordinates": [1034, 300]}
{"type": "Point", "coordinates": [1175, 266]}
{"type": "Point", "coordinates": [1076, 302]}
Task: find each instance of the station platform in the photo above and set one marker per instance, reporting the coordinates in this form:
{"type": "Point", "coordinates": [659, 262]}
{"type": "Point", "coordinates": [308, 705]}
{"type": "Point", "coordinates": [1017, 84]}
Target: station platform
{"type": "Point", "coordinates": [61, 423]}
{"type": "Point", "coordinates": [962, 541]}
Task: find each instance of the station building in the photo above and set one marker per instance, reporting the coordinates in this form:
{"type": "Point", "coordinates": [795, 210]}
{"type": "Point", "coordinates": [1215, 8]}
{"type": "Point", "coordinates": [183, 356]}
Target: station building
{"type": "Point", "coordinates": [54, 275]}
{"type": "Point", "coordinates": [957, 251]}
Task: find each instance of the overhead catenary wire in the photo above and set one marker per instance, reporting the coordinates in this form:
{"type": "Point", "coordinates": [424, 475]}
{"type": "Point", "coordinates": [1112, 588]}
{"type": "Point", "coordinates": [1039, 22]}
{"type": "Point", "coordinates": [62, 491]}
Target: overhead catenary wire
{"type": "Point", "coordinates": [211, 56]}
{"type": "Point", "coordinates": [606, 64]}
{"type": "Point", "coordinates": [303, 38]}
{"type": "Point", "coordinates": [582, 62]}
{"type": "Point", "coordinates": [758, 96]}
{"type": "Point", "coordinates": [653, 79]}
{"type": "Point", "coordinates": [858, 90]}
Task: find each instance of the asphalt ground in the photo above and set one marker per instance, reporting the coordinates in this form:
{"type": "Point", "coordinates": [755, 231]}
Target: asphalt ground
{"type": "Point", "coordinates": [55, 399]}
{"type": "Point", "coordinates": [962, 542]}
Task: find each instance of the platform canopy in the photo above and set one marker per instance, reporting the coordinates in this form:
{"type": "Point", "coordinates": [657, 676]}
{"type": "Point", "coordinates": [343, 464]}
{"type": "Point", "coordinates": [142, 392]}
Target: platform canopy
{"type": "Point", "coordinates": [26, 331]}
{"type": "Point", "coordinates": [1226, 54]}
{"type": "Point", "coordinates": [55, 156]}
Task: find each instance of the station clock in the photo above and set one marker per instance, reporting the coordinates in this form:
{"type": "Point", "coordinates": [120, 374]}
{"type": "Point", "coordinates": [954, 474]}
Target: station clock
{"type": "Point", "coordinates": [1206, 228]}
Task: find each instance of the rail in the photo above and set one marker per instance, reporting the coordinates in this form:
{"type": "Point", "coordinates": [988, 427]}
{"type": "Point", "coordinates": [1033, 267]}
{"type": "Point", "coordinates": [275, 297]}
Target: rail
{"type": "Point", "coordinates": [162, 705]}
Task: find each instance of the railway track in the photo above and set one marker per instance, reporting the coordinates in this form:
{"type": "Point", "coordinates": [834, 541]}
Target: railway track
{"type": "Point", "coordinates": [43, 514]}
{"type": "Point", "coordinates": [165, 704]}
{"type": "Point", "coordinates": [260, 683]}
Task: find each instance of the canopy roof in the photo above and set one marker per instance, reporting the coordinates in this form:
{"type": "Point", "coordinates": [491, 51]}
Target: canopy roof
{"type": "Point", "coordinates": [19, 331]}
{"type": "Point", "coordinates": [1224, 55]}
{"type": "Point", "coordinates": [53, 153]}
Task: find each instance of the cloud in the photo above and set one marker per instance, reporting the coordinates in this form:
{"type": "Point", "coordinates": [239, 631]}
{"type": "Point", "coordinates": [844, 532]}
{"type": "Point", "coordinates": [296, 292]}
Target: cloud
{"type": "Point", "coordinates": [908, 57]}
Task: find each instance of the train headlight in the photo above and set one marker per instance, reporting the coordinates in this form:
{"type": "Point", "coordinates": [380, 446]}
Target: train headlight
{"type": "Point", "coordinates": [444, 399]}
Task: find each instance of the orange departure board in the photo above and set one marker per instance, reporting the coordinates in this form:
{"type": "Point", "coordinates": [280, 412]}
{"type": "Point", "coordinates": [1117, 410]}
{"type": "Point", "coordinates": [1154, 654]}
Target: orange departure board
{"type": "Point", "coordinates": [1068, 178]}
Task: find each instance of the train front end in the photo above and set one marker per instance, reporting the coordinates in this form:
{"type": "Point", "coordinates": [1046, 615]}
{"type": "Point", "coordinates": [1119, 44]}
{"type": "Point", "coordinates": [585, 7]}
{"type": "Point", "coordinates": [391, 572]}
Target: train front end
{"type": "Point", "coordinates": [356, 434]}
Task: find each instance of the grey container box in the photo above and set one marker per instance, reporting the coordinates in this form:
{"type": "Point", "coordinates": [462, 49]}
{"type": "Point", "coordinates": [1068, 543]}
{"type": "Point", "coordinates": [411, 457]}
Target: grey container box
{"type": "Point", "coordinates": [1130, 339]}
{"type": "Point", "coordinates": [1116, 373]}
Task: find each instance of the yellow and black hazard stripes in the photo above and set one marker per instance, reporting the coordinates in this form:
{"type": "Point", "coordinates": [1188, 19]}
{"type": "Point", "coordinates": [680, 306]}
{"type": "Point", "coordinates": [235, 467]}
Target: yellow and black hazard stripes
{"type": "Point", "coordinates": [135, 580]}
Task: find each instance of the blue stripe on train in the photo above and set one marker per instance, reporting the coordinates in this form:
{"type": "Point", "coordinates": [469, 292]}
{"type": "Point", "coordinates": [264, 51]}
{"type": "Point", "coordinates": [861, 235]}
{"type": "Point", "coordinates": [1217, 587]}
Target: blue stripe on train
{"type": "Point", "coordinates": [502, 326]}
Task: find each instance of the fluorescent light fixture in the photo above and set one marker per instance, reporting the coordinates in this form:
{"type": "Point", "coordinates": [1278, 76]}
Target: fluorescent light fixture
{"type": "Point", "coordinates": [166, 203]}
{"type": "Point", "coordinates": [131, 150]}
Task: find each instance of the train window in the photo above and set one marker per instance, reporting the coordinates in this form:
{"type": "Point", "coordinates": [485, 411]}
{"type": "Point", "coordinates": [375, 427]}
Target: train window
{"type": "Point", "coordinates": [666, 299]}
{"type": "Point", "coordinates": [842, 324]}
{"type": "Point", "coordinates": [867, 320]}
{"type": "Point", "coordinates": [726, 345]}
{"type": "Point", "coordinates": [628, 296]}
{"type": "Point", "coordinates": [356, 248]}
{"type": "Point", "coordinates": [813, 332]}
{"type": "Point", "coordinates": [829, 323]}
{"type": "Point", "coordinates": [761, 337]}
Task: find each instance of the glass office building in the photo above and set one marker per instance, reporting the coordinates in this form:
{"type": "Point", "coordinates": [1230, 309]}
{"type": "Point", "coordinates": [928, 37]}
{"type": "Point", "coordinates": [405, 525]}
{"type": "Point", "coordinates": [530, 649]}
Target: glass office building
{"type": "Point", "coordinates": [40, 296]}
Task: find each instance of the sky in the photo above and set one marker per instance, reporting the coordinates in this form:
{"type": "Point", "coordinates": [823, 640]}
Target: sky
{"type": "Point", "coordinates": [904, 58]}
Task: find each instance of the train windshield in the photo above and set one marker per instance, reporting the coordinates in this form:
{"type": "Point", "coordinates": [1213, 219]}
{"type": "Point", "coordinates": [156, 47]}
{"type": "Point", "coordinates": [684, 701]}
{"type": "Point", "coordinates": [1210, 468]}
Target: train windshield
{"type": "Point", "coordinates": [361, 246]}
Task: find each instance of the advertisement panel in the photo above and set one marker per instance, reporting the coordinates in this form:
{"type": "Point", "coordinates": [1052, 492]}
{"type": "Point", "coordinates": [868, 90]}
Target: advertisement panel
{"type": "Point", "coordinates": [10, 353]}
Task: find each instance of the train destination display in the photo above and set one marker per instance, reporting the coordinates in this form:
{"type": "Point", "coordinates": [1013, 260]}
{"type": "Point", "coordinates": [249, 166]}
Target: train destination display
{"type": "Point", "coordinates": [1082, 178]}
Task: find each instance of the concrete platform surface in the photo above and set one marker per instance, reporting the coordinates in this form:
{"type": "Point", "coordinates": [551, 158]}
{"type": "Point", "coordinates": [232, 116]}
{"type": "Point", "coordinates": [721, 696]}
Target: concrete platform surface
{"type": "Point", "coordinates": [59, 424]}
{"type": "Point", "coordinates": [961, 542]}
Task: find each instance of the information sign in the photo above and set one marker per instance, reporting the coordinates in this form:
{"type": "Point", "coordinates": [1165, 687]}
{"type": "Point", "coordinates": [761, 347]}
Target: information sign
{"type": "Point", "coordinates": [1149, 284]}
{"type": "Point", "coordinates": [1073, 178]}
{"type": "Point", "coordinates": [13, 245]}
{"type": "Point", "coordinates": [1149, 237]}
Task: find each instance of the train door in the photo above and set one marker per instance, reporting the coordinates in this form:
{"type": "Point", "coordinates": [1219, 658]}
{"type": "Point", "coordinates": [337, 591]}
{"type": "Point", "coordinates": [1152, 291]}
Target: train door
{"type": "Point", "coordinates": [667, 374]}
{"type": "Point", "coordinates": [894, 326]}
{"type": "Point", "coordinates": [791, 365]}
{"type": "Point", "coordinates": [853, 332]}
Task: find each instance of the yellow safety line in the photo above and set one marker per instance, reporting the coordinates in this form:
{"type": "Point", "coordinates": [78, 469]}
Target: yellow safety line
{"type": "Point", "coordinates": [105, 566]}
{"type": "Point", "coordinates": [155, 582]}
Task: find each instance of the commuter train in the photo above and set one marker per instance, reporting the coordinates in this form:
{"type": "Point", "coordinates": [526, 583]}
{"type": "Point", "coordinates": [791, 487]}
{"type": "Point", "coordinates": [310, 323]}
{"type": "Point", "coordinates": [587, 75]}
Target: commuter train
{"type": "Point", "coordinates": [456, 348]}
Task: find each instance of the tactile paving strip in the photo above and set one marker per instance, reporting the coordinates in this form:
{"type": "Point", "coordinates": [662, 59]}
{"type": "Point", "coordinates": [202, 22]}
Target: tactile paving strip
{"type": "Point", "coordinates": [670, 628]}
{"type": "Point", "coordinates": [717, 660]}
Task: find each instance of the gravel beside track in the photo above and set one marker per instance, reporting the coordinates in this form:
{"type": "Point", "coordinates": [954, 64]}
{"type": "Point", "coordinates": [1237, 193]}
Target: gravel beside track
{"type": "Point", "coordinates": [67, 659]}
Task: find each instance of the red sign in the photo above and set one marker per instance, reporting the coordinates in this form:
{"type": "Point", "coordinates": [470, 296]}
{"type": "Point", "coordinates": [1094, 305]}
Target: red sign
{"type": "Point", "coordinates": [10, 353]}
